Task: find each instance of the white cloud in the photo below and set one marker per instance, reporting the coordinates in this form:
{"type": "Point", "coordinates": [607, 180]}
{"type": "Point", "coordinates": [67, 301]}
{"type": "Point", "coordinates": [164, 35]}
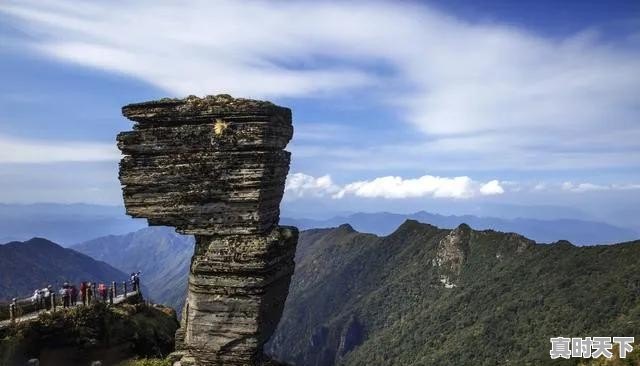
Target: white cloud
{"type": "Point", "coordinates": [302, 185]}
{"type": "Point", "coordinates": [397, 187]}
{"type": "Point", "coordinates": [13, 150]}
{"type": "Point", "coordinates": [510, 98]}
{"type": "Point", "coordinates": [583, 187]}
{"type": "Point", "coordinates": [590, 187]}
{"type": "Point", "coordinates": [540, 187]}
{"type": "Point", "coordinates": [195, 47]}
{"type": "Point", "coordinates": [491, 188]}
{"type": "Point", "coordinates": [625, 187]}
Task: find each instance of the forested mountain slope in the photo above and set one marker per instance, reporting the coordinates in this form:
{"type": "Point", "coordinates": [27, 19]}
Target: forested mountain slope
{"type": "Point", "coordinates": [427, 296]}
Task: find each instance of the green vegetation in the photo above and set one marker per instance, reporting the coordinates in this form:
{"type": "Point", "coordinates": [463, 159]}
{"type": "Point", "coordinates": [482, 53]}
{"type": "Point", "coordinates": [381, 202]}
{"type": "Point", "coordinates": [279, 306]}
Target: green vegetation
{"type": "Point", "coordinates": [80, 335]}
{"type": "Point", "coordinates": [147, 362]}
{"type": "Point", "coordinates": [24, 307]}
{"type": "Point", "coordinates": [632, 359]}
{"type": "Point", "coordinates": [510, 297]}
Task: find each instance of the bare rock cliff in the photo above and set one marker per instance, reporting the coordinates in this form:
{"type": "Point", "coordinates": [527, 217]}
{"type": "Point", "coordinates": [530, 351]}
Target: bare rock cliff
{"type": "Point", "coordinates": [452, 252]}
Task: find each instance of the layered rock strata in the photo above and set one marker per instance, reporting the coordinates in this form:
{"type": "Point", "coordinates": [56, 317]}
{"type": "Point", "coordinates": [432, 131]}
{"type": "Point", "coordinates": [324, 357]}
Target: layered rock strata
{"type": "Point", "coordinates": [215, 167]}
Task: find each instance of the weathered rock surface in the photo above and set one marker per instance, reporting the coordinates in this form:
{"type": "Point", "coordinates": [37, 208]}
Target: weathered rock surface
{"type": "Point", "coordinates": [454, 248]}
{"type": "Point", "coordinates": [206, 165]}
{"type": "Point", "coordinates": [451, 254]}
{"type": "Point", "coordinates": [248, 276]}
{"type": "Point", "coordinates": [215, 167]}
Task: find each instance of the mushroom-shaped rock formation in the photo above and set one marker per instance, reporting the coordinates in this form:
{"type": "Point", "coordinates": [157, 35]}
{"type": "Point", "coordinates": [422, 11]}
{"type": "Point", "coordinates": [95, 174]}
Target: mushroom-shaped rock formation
{"type": "Point", "coordinates": [215, 167]}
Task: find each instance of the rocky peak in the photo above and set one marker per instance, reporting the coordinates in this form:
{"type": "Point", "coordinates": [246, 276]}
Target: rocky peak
{"type": "Point", "coordinates": [451, 254]}
{"type": "Point", "coordinates": [410, 226]}
{"type": "Point", "coordinates": [346, 228]}
{"type": "Point", "coordinates": [564, 243]}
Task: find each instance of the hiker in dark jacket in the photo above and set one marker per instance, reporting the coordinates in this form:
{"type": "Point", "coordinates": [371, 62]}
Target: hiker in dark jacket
{"type": "Point", "coordinates": [83, 292]}
{"type": "Point", "coordinates": [74, 295]}
{"type": "Point", "coordinates": [135, 278]}
{"type": "Point", "coordinates": [89, 293]}
{"type": "Point", "coordinates": [102, 290]}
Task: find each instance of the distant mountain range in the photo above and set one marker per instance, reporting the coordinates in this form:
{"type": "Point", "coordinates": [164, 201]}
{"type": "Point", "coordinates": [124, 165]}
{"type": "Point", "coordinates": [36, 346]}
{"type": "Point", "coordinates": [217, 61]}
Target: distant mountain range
{"type": "Point", "coordinates": [430, 296]}
{"type": "Point", "coordinates": [579, 232]}
{"type": "Point", "coordinates": [160, 253]}
{"type": "Point", "coordinates": [70, 224]}
{"type": "Point", "coordinates": [36, 263]}
{"type": "Point", "coordinates": [64, 224]}
{"type": "Point", "coordinates": [164, 256]}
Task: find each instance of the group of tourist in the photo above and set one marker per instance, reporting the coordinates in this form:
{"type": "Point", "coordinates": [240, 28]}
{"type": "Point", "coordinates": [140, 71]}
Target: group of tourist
{"type": "Point", "coordinates": [89, 293]}
{"type": "Point", "coordinates": [69, 295]}
{"type": "Point", "coordinates": [135, 280]}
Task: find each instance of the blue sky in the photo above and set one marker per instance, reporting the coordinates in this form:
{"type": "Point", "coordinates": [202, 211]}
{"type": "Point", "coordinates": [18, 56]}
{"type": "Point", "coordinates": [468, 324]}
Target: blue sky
{"type": "Point", "coordinates": [400, 106]}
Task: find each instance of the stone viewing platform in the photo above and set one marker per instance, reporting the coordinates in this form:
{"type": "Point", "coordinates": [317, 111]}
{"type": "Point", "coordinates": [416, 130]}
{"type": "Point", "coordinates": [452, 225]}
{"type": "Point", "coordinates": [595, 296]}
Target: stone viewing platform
{"type": "Point", "coordinates": [215, 167]}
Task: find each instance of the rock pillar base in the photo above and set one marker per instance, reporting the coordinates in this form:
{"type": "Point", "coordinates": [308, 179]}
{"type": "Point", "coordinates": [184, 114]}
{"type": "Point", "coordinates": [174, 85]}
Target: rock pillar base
{"type": "Point", "coordinates": [237, 288]}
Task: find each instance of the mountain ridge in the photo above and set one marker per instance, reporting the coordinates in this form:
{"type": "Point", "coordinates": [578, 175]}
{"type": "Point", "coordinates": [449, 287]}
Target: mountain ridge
{"type": "Point", "coordinates": [70, 224]}
{"type": "Point", "coordinates": [581, 232]}
{"type": "Point", "coordinates": [38, 262]}
{"type": "Point", "coordinates": [425, 295]}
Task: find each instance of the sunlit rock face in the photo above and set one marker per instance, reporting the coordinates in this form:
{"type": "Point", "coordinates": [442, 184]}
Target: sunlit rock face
{"type": "Point", "coordinates": [215, 167]}
{"type": "Point", "coordinates": [452, 252]}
